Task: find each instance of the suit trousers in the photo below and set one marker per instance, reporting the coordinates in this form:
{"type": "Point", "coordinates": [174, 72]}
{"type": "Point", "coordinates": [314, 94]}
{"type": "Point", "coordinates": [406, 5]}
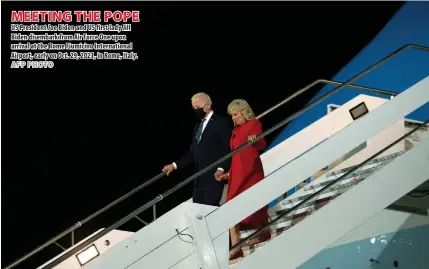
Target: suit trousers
{"type": "Point", "coordinates": [207, 191]}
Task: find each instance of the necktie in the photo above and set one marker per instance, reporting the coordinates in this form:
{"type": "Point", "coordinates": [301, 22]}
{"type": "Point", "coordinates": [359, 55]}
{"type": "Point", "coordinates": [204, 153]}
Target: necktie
{"type": "Point", "coordinates": [200, 131]}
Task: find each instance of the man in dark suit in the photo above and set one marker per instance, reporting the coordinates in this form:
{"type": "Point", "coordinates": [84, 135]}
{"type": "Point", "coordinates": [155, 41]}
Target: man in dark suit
{"type": "Point", "coordinates": [210, 142]}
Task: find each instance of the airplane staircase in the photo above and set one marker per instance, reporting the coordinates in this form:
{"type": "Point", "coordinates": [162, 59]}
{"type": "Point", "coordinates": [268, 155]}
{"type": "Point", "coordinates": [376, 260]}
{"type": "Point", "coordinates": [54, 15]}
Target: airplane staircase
{"type": "Point", "coordinates": [349, 173]}
{"type": "Point", "coordinates": [284, 216]}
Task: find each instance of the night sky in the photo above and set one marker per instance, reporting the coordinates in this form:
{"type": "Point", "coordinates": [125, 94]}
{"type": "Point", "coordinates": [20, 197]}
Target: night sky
{"type": "Point", "coordinates": [82, 134]}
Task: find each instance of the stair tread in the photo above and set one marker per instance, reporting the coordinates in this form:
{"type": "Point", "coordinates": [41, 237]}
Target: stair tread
{"type": "Point", "coordinates": [309, 207]}
{"type": "Point", "coordinates": [247, 250]}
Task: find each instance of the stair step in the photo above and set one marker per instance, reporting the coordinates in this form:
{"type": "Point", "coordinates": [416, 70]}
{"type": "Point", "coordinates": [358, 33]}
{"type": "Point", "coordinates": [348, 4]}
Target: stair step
{"type": "Point", "coordinates": [247, 250]}
{"type": "Point", "coordinates": [303, 191]}
{"type": "Point", "coordinates": [294, 216]}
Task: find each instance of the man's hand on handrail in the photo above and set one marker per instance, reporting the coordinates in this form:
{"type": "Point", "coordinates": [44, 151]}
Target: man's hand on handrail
{"type": "Point", "coordinates": [168, 169]}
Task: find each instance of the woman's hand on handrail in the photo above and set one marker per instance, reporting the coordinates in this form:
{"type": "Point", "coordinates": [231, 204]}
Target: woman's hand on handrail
{"type": "Point", "coordinates": [252, 137]}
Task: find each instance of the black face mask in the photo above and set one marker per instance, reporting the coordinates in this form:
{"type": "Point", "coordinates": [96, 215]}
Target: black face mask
{"type": "Point", "coordinates": [200, 113]}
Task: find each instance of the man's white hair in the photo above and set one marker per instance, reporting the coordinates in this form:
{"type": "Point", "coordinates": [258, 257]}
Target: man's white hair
{"type": "Point", "coordinates": [203, 96]}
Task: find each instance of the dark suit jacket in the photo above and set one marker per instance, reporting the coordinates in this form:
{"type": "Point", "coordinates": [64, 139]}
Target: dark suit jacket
{"type": "Point", "coordinates": [214, 144]}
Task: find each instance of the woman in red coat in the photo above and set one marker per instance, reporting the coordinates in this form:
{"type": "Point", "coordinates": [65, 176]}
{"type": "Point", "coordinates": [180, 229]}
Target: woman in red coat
{"type": "Point", "coordinates": [246, 169]}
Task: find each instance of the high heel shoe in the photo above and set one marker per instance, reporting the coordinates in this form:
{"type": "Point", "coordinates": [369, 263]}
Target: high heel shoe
{"type": "Point", "coordinates": [235, 254]}
{"type": "Point", "coordinates": [263, 236]}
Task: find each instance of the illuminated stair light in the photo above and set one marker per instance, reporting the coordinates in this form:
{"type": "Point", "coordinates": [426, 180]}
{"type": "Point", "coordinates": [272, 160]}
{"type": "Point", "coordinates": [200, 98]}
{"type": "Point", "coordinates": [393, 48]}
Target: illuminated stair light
{"type": "Point", "coordinates": [358, 111]}
{"type": "Point", "coordinates": [87, 254]}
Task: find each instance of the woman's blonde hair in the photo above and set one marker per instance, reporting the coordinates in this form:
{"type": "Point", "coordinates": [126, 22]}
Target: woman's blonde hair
{"type": "Point", "coordinates": [241, 105]}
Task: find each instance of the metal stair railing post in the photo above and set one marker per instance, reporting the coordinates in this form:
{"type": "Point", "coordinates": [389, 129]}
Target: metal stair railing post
{"type": "Point", "coordinates": [191, 178]}
{"type": "Point", "coordinates": [80, 223]}
{"type": "Point", "coordinates": [159, 176]}
{"type": "Point", "coordinates": [311, 196]}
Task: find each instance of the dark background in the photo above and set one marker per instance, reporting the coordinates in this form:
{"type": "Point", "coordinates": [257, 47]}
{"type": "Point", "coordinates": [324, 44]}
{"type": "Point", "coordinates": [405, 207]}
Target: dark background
{"type": "Point", "coordinates": [80, 135]}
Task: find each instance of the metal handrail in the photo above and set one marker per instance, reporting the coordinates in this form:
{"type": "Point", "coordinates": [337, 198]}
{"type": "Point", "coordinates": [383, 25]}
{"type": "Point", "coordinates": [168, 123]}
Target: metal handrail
{"type": "Point", "coordinates": [325, 81]}
{"type": "Point", "coordinates": [159, 176]}
{"type": "Point", "coordinates": [80, 223]}
{"type": "Point", "coordinates": [289, 210]}
{"type": "Point", "coordinates": [191, 178]}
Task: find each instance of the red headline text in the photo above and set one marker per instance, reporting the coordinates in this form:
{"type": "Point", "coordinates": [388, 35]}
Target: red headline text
{"type": "Point", "coordinates": [75, 16]}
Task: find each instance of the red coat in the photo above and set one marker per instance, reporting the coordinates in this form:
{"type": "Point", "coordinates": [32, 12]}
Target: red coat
{"type": "Point", "coordinates": [246, 167]}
